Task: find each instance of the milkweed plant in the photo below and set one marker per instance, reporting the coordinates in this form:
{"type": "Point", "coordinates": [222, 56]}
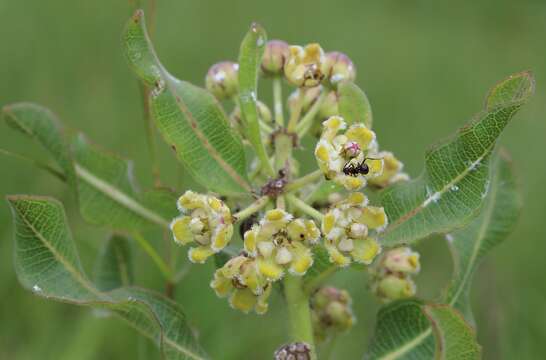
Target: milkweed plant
{"type": "Point", "coordinates": [267, 225]}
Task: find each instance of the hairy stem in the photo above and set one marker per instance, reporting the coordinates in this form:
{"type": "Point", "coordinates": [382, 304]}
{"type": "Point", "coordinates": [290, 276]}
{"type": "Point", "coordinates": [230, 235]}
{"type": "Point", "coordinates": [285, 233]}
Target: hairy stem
{"type": "Point", "coordinates": [252, 208]}
{"type": "Point", "coordinates": [301, 329]}
{"type": "Point", "coordinates": [303, 207]}
{"type": "Point", "coordinates": [277, 101]}
{"type": "Point", "coordinates": [296, 113]}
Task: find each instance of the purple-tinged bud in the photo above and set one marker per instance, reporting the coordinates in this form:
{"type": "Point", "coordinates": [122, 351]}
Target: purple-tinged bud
{"type": "Point", "coordinates": [337, 67]}
{"type": "Point", "coordinates": [293, 351]}
{"type": "Point", "coordinates": [275, 55]}
{"type": "Point", "coordinates": [223, 79]}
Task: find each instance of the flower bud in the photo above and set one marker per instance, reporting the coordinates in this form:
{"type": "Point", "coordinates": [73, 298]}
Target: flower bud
{"type": "Point", "coordinates": [275, 54]}
{"type": "Point", "coordinates": [392, 170]}
{"type": "Point", "coordinates": [223, 80]}
{"type": "Point", "coordinates": [337, 67]}
{"type": "Point", "coordinates": [293, 351]}
{"type": "Point", "coordinates": [392, 287]}
{"type": "Point", "coordinates": [402, 259]}
{"type": "Point", "coordinates": [303, 67]}
{"type": "Point", "coordinates": [331, 312]}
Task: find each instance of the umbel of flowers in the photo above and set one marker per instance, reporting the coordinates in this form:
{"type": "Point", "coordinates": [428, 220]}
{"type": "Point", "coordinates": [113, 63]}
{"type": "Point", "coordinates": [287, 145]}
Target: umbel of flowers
{"type": "Point", "coordinates": [275, 243]}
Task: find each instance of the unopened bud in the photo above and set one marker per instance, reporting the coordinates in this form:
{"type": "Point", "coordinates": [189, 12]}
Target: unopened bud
{"type": "Point", "coordinates": [275, 55]}
{"type": "Point", "coordinates": [222, 79]}
{"type": "Point", "coordinates": [331, 312]}
{"type": "Point", "coordinates": [403, 260]}
{"type": "Point", "coordinates": [392, 287]}
{"type": "Point", "coordinates": [293, 351]}
{"type": "Point", "coordinates": [337, 67]}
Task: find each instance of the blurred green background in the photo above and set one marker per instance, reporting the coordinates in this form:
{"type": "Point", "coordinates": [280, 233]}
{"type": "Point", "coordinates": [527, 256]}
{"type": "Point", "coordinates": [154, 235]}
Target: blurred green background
{"type": "Point", "coordinates": [426, 66]}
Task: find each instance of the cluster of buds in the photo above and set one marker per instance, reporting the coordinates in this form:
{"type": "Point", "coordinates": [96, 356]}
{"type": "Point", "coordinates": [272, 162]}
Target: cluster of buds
{"type": "Point", "coordinates": [205, 221]}
{"type": "Point", "coordinates": [349, 228]}
{"type": "Point", "coordinates": [331, 312]}
{"type": "Point", "coordinates": [240, 281]}
{"type": "Point", "coordinates": [280, 242]}
{"type": "Point", "coordinates": [293, 351]}
{"type": "Point", "coordinates": [343, 158]}
{"type": "Point", "coordinates": [391, 276]}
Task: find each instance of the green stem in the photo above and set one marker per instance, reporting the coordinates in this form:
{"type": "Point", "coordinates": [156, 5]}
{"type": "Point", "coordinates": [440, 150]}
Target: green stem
{"type": "Point", "coordinates": [283, 150]}
{"type": "Point", "coordinates": [277, 101]}
{"type": "Point", "coordinates": [161, 265]}
{"type": "Point", "coordinates": [313, 284]}
{"type": "Point", "coordinates": [307, 120]}
{"type": "Point", "coordinates": [252, 208]}
{"type": "Point", "coordinates": [301, 329]}
{"type": "Point", "coordinates": [304, 180]}
{"type": "Point", "coordinates": [305, 208]}
{"type": "Point", "coordinates": [295, 115]}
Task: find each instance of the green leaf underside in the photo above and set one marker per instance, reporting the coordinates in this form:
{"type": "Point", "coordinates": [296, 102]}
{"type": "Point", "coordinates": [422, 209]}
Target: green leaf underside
{"type": "Point", "coordinates": [250, 59]}
{"type": "Point", "coordinates": [114, 266]}
{"type": "Point", "coordinates": [354, 105]}
{"type": "Point", "coordinates": [411, 329]}
{"type": "Point", "coordinates": [189, 118]}
{"type": "Point", "coordinates": [454, 183]}
{"type": "Point", "coordinates": [47, 263]}
{"type": "Point", "coordinates": [469, 245]}
{"type": "Point", "coordinates": [42, 125]}
{"type": "Point", "coordinates": [107, 194]}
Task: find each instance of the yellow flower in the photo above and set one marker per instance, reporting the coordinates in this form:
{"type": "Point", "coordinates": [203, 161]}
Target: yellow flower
{"type": "Point", "coordinates": [349, 229]}
{"type": "Point", "coordinates": [281, 243]}
{"type": "Point", "coordinates": [303, 67]}
{"type": "Point", "coordinates": [392, 170]}
{"type": "Point", "coordinates": [205, 221]}
{"type": "Point", "coordinates": [345, 158]}
{"type": "Point", "coordinates": [240, 281]}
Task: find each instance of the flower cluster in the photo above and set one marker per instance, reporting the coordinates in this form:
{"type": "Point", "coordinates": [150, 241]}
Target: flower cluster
{"type": "Point", "coordinates": [331, 312]}
{"type": "Point", "coordinates": [392, 274]}
{"type": "Point", "coordinates": [349, 228]}
{"type": "Point", "coordinates": [240, 280]}
{"type": "Point", "coordinates": [343, 158]}
{"type": "Point", "coordinates": [281, 243]}
{"type": "Point", "coordinates": [205, 221]}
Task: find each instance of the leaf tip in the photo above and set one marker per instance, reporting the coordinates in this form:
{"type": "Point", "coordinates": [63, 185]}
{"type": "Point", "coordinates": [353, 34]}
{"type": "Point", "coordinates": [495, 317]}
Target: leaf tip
{"type": "Point", "coordinates": [137, 16]}
{"type": "Point", "coordinates": [516, 88]}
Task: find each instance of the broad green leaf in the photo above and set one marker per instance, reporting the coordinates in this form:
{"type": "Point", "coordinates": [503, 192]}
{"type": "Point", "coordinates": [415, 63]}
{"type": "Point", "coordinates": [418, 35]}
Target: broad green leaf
{"type": "Point", "coordinates": [107, 193]}
{"type": "Point", "coordinates": [114, 266]}
{"type": "Point", "coordinates": [250, 59]}
{"type": "Point", "coordinates": [47, 263]}
{"type": "Point", "coordinates": [469, 245]}
{"type": "Point", "coordinates": [188, 117]}
{"type": "Point", "coordinates": [455, 339]}
{"type": "Point", "coordinates": [454, 183]}
{"type": "Point", "coordinates": [354, 105]}
{"type": "Point", "coordinates": [41, 124]}
{"type": "Point", "coordinates": [411, 329]}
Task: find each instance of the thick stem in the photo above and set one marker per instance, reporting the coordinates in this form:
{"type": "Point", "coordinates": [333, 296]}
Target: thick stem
{"type": "Point", "coordinates": [277, 101]}
{"type": "Point", "coordinates": [251, 209]}
{"type": "Point", "coordinates": [283, 150]}
{"type": "Point", "coordinates": [301, 329]}
{"type": "Point", "coordinates": [303, 207]}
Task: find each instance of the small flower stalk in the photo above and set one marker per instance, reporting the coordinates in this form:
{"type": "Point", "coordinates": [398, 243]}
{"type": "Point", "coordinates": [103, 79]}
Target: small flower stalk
{"type": "Point", "coordinates": [350, 228]}
{"type": "Point", "coordinates": [205, 222]}
{"type": "Point", "coordinates": [343, 158]}
{"type": "Point", "coordinates": [331, 312]}
{"type": "Point", "coordinates": [392, 275]}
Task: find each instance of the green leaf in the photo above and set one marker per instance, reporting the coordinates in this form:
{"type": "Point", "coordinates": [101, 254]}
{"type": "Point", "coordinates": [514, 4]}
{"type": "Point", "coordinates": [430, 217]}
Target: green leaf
{"type": "Point", "coordinates": [250, 59]}
{"type": "Point", "coordinates": [469, 245]}
{"type": "Point", "coordinates": [107, 193]}
{"type": "Point", "coordinates": [188, 117]}
{"type": "Point", "coordinates": [454, 183]}
{"type": "Point", "coordinates": [455, 339]}
{"type": "Point", "coordinates": [354, 105]}
{"type": "Point", "coordinates": [47, 263]}
{"type": "Point", "coordinates": [42, 125]}
{"type": "Point", "coordinates": [411, 329]}
{"type": "Point", "coordinates": [114, 266]}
